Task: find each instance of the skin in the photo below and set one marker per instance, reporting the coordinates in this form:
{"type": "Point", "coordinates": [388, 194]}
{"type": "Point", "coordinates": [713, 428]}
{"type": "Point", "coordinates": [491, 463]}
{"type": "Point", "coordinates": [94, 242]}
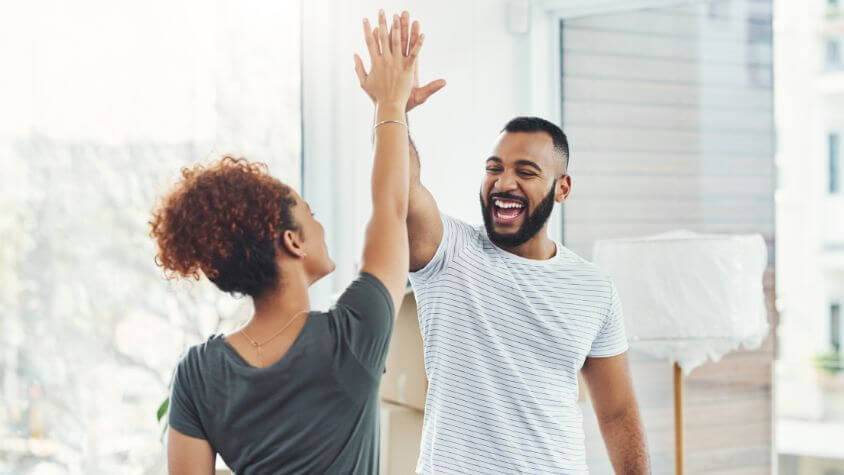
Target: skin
{"type": "Point", "coordinates": [302, 255]}
{"type": "Point", "coordinates": [524, 165]}
{"type": "Point", "coordinates": [508, 170]}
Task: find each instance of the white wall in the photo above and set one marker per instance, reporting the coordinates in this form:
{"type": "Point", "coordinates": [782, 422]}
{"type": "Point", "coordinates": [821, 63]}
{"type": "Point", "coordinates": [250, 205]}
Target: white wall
{"type": "Point", "coordinates": [492, 74]}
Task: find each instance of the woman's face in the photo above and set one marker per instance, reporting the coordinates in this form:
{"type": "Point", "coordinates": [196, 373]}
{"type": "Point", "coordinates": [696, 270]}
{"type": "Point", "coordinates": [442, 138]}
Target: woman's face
{"type": "Point", "coordinates": [318, 263]}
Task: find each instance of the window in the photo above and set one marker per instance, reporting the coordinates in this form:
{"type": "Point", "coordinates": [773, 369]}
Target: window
{"type": "Point", "coordinates": [835, 326]}
{"type": "Point", "coordinates": [834, 164]}
{"type": "Point", "coordinates": [832, 9]}
{"type": "Point", "coordinates": [833, 54]}
{"type": "Point", "coordinates": [114, 102]}
{"type": "Point", "coordinates": [653, 106]}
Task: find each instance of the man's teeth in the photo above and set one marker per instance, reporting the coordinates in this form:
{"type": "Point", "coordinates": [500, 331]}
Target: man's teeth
{"type": "Point", "coordinates": [508, 204]}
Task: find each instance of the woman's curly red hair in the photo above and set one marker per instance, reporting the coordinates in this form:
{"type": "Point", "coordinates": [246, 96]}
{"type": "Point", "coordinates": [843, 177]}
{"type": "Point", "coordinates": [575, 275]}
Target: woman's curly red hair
{"type": "Point", "coordinates": [224, 220]}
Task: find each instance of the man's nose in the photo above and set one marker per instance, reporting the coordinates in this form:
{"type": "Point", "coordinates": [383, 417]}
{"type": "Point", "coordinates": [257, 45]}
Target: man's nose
{"type": "Point", "coordinates": [505, 182]}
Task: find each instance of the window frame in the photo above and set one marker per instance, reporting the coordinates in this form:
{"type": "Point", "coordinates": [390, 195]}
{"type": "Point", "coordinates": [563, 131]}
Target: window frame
{"type": "Point", "coordinates": [836, 330]}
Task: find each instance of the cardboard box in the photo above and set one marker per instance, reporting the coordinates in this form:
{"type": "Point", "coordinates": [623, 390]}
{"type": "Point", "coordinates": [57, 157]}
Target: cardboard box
{"type": "Point", "coordinates": [404, 381]}
{"type": "Point", "coordinates": [401, 434]}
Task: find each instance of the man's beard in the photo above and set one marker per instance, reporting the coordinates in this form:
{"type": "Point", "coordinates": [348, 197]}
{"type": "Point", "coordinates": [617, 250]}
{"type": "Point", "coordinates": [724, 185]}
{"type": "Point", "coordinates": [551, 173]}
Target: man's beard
{"type": "Point", "coordinates": [532, 224]}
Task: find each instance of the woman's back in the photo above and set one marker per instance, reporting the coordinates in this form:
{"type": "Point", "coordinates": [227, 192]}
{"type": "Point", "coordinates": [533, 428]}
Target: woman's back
{"type": "Point", "coordinates": [312, 411]}
{"type": "Point", "coordinates": [315, 409]}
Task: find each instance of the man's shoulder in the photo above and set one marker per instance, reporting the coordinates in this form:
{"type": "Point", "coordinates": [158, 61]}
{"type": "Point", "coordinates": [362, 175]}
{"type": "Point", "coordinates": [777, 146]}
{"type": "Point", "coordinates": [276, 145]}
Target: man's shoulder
{"type": "Point", "coordinates": [570, 261]}
{"type": "Point", "coordinates": [462, 233]}
{"type": "Point", "coordinates": [461, 224]}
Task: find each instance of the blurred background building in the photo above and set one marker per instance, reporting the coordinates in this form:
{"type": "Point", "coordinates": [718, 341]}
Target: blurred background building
{"type": "Point", "coordinates": [810, 233]}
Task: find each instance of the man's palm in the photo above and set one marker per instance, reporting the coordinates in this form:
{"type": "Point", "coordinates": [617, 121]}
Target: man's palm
{"type": "Point", "coordinates": [418, 95]}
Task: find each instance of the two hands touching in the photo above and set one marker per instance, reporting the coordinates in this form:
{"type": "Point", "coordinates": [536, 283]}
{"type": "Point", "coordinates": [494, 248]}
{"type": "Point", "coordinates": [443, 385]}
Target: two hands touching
{"type": "Point", "coordinates": [396, 47]}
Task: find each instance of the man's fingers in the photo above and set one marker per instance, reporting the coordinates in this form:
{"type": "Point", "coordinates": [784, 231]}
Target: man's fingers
{"type": "Point", "coordinates": [432, 87]}
{"type": "Point", "coordinates": [414, 36]}
{"type": "Point", "coordinates": [414, 53]}
{"type": "Point", "coordinates": [421, 94]}
{"type": "Point", "coordinates": [405, 31]}
{"type": "Point", "coordinates": [395, 39]}
{"type": "Point", "coordinates": [360, 70]}
{"type": "Point", "coordinates": [371, 45]}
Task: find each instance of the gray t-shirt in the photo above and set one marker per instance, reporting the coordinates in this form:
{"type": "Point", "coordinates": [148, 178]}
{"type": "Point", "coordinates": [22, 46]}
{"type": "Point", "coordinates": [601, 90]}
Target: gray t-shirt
{"type": "Point", "coordinates": [313, 411]}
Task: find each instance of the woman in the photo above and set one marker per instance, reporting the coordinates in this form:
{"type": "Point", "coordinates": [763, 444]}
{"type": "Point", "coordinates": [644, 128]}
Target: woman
{"type": "Point", "coordinates": [294, 390]}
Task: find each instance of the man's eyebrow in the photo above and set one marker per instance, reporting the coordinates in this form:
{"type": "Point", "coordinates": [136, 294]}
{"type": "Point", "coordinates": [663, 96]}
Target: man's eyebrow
{"type": "Point", "coordinates": [494, 159]}
{"type": "Point", "coordinates": [529, 163]}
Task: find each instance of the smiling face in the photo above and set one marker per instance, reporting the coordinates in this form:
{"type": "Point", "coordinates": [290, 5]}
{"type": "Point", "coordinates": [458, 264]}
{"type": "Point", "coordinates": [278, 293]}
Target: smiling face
{"type": "Point", "coordinates": [524, 178]}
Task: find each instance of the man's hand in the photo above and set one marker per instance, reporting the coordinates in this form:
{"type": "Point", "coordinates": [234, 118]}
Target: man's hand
{"type": "Point", "coordinates": [409, 38]}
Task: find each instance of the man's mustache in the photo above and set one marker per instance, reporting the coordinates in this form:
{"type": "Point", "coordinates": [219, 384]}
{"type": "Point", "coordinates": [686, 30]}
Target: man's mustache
{"type": "Point", "coordinates": [507, 196]}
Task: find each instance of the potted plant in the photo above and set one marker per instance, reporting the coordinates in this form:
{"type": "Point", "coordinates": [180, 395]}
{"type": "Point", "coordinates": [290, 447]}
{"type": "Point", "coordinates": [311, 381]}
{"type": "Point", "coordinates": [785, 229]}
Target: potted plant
{"type": "Point", "coordinates": [831, 380]}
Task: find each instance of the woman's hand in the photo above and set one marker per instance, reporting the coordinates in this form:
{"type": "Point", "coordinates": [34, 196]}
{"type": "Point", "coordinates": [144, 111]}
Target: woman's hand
{"type": "Point", "coordinates": [409, 38]}
{"type": "Point", "coordinates": [390, 80]}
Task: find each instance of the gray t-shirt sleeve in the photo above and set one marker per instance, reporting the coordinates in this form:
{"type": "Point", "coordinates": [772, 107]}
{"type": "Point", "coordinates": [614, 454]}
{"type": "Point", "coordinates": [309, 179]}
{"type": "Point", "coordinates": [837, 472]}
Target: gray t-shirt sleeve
{"type": "Point", "coordinates": [364, 317]}
{"type": "Point", "coordinates": [184, 416]}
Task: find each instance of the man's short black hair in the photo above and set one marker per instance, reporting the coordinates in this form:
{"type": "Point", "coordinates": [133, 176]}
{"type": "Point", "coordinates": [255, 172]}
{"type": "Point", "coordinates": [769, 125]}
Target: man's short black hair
{"type": "Point", "coordinates": [536, 124]}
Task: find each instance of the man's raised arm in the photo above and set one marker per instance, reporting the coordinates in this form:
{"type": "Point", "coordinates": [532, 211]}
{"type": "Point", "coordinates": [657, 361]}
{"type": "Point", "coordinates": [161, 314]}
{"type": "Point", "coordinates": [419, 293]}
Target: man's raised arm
{"type": "Point", "coordinates": [424, 225]}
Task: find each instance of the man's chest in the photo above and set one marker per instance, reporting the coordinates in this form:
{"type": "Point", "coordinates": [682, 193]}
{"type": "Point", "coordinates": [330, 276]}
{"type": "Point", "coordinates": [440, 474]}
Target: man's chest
{"type": "Point", "coordinates": [547, 320]}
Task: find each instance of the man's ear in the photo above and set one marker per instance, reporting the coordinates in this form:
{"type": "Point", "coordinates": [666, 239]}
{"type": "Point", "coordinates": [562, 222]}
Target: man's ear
{"type": "Point", "coordinates": [291, 242]}
{"type": "Point", "coordinates": [563, 189]}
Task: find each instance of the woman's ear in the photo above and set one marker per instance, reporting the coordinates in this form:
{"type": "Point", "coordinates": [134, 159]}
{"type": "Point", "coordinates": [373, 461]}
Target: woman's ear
{"type": "Point", "coordinates": [291, 242]}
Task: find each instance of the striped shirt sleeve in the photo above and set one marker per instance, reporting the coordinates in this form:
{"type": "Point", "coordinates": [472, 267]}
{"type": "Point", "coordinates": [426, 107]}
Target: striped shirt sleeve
{"type": "Point", "coordinates": [611, 339]}
{"type": "Point", "coordinates": [456, 236]}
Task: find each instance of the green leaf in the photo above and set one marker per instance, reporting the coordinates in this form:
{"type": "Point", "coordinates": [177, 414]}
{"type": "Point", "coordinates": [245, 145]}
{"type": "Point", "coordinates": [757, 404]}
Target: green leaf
{"type": "Point", "coordinates": [162, 409]}
{"type": "Point", "coordinates": [163, 431]}
{"type": "Point", "coordinates": [832, 362]}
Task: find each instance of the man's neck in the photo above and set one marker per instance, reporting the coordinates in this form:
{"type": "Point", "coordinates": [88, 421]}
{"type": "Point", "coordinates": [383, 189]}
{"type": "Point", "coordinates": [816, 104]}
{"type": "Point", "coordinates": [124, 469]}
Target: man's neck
{"type": "Point", "coordinates": [539, 247]}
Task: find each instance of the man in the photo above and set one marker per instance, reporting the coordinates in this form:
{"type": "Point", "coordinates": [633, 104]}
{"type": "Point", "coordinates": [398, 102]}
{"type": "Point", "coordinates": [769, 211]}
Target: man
{"type": "Point", "coordinates": [508, 317]}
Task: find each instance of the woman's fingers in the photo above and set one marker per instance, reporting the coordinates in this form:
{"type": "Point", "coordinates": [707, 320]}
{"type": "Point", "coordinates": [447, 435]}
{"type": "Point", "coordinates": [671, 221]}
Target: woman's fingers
{"type": "Point", "coordinates": [382, 29]}
{"type": "Point", "coordinates": [371, 45]}
{"type": "Point", "coordinates": [405, 31]}
{"type": "Point", "coordinates": [395, 39]}
{"type": "Point", "coordinates": [360, 70]}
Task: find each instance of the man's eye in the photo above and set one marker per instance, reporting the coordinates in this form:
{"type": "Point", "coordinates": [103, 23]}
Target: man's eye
{"type": "Point", "coordinates": [524, 173]}
{"type": "Point", "coordinates": [493, 169]}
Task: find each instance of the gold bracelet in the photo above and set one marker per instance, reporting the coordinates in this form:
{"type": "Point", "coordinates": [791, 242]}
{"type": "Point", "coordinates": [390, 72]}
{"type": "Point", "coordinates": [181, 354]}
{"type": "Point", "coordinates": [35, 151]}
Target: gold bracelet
{"type": "Point", "coordinates": [379, 124]}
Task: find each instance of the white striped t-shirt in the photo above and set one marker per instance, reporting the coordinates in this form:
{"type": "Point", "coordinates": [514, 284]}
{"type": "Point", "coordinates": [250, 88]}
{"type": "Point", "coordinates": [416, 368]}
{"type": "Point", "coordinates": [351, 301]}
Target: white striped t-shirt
{"type": "Point", "coordinates": [504, 338]}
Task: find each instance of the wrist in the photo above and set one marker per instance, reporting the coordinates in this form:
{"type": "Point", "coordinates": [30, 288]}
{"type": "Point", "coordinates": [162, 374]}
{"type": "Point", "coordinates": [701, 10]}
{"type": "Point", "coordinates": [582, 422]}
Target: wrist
{"type": "Point", "coordinates": [385, 110]}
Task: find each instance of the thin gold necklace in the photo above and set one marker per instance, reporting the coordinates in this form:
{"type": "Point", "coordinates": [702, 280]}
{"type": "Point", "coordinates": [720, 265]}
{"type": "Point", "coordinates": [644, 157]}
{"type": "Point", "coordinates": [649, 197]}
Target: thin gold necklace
{"type": "Point", "coordinates": [258, 346]}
